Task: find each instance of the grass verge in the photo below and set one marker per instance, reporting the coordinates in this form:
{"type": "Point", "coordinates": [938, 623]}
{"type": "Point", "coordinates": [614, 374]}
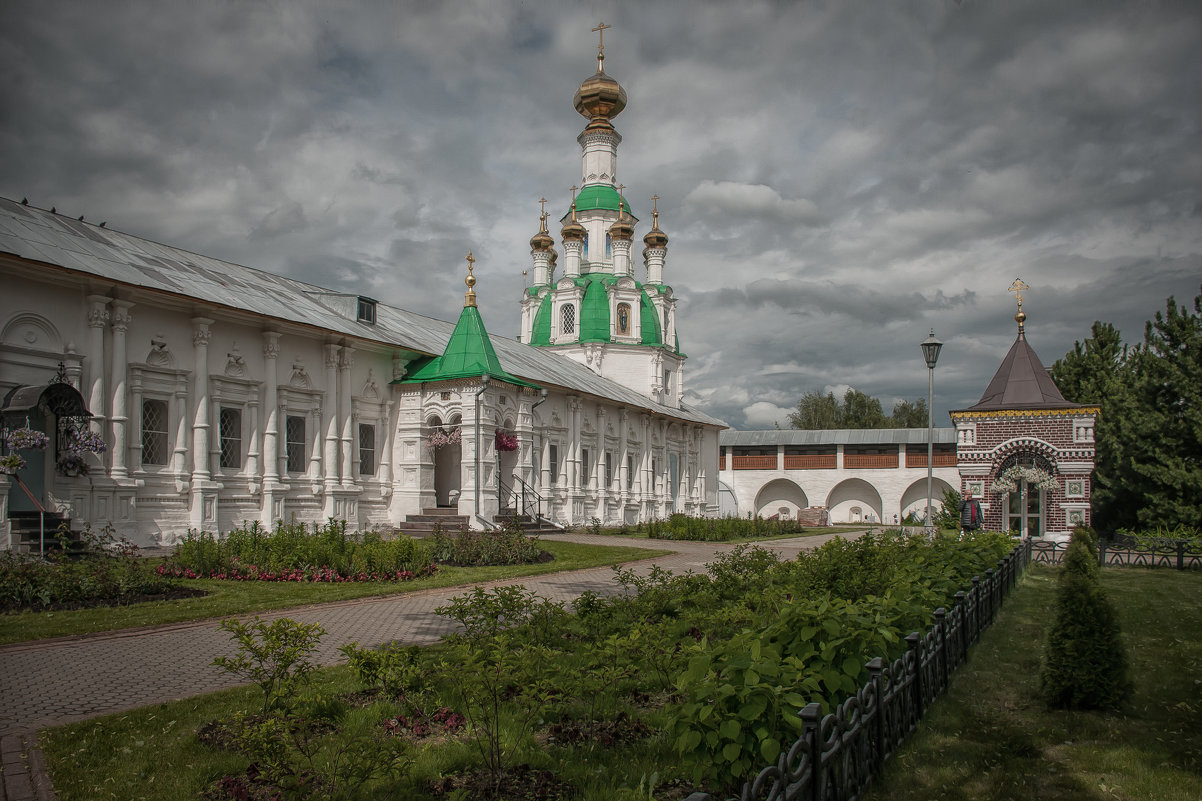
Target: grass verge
{"type": "Point", "coordinates": [242, 597]}
{"type": "Point", "coordinates": [990, 738]}
{"type": "Point", "coordinates": [626, 533]}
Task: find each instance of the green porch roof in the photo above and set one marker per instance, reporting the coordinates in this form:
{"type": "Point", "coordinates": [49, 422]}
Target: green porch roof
{"type": "Point", "coordinates": [469, 354]}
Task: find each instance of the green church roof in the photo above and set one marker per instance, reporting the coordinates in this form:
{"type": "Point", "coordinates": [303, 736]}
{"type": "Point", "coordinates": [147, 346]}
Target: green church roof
{"type": "Point", "coordinates": [469, 354]}
{"type": "Point", "coordinates": [594, 313]}
{"type": "Point", "coordinates": [599, 196]}
{"type": "Point", "coordinates": [652, 335]}
{"type": "Point", "coordinates": [541, 332]}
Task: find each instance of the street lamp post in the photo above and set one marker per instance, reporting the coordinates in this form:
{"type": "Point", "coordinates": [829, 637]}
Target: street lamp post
{"type": "Point", "coordinates": [930, 351]}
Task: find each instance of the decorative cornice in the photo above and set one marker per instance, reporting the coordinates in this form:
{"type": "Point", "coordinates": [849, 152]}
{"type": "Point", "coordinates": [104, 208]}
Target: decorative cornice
{"type": "Point", "coordinates": [1077, 411]}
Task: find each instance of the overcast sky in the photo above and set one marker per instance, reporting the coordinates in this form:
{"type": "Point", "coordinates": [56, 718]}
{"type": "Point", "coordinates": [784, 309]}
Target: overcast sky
{"type": "Point", "coordinates": [837, 178]}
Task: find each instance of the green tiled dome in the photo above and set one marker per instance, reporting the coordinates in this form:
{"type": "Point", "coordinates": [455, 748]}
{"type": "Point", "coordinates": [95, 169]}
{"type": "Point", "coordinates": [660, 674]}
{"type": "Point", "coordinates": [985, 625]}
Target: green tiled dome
{"type": "Point", "coordinates": [599, 196]}
{"type": "Point", "coordinates": [652, 334]}
{"type": "Point", "coordinates": [594, 313]}
{"type": "Point", "coordinates": [541, 333]}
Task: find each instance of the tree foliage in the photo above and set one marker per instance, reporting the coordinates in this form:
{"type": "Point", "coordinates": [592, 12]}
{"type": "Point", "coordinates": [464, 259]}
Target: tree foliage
{"type": "Point", "coordinates": [816, 411]}
{"type": "Point", "coordinates": [1149, 433]}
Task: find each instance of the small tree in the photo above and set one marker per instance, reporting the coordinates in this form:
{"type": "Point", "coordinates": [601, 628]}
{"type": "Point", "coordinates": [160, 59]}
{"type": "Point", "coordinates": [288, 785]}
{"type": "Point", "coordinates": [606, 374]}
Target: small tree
{"type": "Point", "coordinates": [1084, 662]}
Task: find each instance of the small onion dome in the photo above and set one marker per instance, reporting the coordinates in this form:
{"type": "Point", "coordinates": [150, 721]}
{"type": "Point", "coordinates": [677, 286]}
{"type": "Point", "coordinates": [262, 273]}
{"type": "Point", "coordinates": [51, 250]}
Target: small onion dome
{"type": "Point", "coordinates": [542, 240]}
{"type": "Point", "coordinates": [623, 228]}
{"type": "Point", "coordinates": [572, 230]}
{"type": "Point", "coordinates": [600, 98]}
{"type": "Point", "coordinates": [655, 238]}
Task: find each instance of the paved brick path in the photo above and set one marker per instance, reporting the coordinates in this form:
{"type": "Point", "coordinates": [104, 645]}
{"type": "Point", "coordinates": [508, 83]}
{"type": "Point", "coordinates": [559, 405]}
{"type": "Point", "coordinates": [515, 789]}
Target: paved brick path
{"type": "Point", "coordinates": [51, 682]}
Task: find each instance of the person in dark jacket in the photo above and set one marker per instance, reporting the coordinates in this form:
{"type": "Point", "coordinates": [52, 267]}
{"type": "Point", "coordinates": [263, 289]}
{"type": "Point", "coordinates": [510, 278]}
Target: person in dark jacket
{"type": "Point", "coordinates": [970, 512]}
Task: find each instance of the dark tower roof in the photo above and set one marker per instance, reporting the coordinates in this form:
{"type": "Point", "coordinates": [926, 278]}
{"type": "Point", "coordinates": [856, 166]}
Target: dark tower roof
{"type": "Point", "coordinates": [1021, 383]}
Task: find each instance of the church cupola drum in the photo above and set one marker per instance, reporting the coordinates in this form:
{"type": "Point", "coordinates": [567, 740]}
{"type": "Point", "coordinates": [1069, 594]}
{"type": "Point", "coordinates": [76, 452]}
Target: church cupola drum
{"type": "Point", "coordinates": [598, 311]}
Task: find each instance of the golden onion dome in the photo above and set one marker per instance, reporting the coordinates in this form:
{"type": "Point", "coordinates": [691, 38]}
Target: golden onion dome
{"type": "Point", "coordinates": [542, 241]}
{"type": "Point", "coordinates": [623, 228]}
{"type": "Point", "coordinates": [655, 238]}
{"type": "Point", "coordinates": [600, 98]}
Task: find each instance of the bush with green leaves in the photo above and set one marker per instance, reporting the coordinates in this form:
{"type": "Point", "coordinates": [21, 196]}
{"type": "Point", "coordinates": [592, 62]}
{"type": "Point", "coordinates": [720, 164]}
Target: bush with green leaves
{"type": "Point", "coordinates": [103, 571]}
{"type": "Point", "coordinates": [276, 656]}
{"type": "Point", "coordinates": [326, 552]}
{"type": "Point", "coordinates": [506, 546]}
{"type": "Point", "coordinates": [719, 529]}
{"type": "Point", "coordinates": [1084, 663]}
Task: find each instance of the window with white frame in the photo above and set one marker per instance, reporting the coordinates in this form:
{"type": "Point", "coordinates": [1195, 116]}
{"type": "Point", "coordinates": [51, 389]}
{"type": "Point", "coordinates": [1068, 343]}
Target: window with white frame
{"type": "Point", "coordinates": [567, 319]}
{"type": "Point", "coordinates": [584, 467]}
{"type": "Point", "coordinates": [554, 463]}
{"type": "Point", "coordinates": [367, 449]}
{"type": "Point", "coordinates": [629, 471]}
{"type": "Point", "coordinates": [154, 431]}
{"type": "Point", "coordinates": [294, 444]}
{"type": "Point", "coordinates": [230, 437]}
{"type": "Point", "coordinates": [609, 469]}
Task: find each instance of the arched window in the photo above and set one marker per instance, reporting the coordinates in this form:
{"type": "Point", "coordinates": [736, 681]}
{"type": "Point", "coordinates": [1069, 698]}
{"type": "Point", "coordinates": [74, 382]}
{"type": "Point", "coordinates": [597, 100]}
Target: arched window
{"type": "Point", "coordinates": [624, 318]}
{"type": "Point", "coordinates": [567, 319]}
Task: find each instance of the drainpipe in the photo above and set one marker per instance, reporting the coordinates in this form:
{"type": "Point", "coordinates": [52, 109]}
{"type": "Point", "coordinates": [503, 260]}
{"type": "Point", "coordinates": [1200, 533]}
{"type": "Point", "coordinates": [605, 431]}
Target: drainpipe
{"type": "Point", "coordinates": [484, 379]}
{"type": "Point", "coordinates": [541, 400]}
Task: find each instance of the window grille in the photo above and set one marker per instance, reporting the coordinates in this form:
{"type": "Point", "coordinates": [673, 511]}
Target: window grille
{"type": "Point", "coordinates": [367, 449]}
{"type": "Point", "coordinates": [567, 319]}
{"type": "Point", "coordinates": [294, 444]}
{"type": "Point", "coordinates": [230, 432]}
{"type": "Point", "coordinates": [154, 432]}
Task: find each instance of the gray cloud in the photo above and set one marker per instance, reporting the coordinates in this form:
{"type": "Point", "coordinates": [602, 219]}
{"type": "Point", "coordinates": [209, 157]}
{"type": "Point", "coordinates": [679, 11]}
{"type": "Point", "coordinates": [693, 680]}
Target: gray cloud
{"type": "Point", "coordinates": [836, 179]}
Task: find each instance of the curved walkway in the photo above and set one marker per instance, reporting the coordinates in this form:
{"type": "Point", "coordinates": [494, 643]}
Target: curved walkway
{"type": "Point", "coordinates": [50, 682]}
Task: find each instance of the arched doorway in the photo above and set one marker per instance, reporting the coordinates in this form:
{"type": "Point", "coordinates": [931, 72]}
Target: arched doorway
{"type": "Point", "coordinates": [507, 447]}
{"type": "Point", "coordinates": [780, 494]}
{"type": "Point", "coordinates": [853, 501]}
{"type": "Point", "coordinates": [448, 460]}
{"type": "Point", "coordinates": [55, 409]}
{"type": "Point", "coordinates": [1024, 480]}
{"type": "Point", "coordinates": [914, 499]}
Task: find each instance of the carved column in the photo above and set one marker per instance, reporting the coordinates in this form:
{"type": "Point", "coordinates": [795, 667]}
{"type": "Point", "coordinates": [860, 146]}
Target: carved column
{"type": "Point", "coordinates": [98, 315]}
{"type": "Point", "coordinates": [120, 419]}
{"type": "Point", "coordinates": [200, 398]}
{"type": "Point", "coordinates": [329, 419]}
{"type": "Point", "coordinates": [271, 405]}
{"type": "Point", "coordinates": [346, 473]}
{"type": "Point", "coordinates": [623, 448]}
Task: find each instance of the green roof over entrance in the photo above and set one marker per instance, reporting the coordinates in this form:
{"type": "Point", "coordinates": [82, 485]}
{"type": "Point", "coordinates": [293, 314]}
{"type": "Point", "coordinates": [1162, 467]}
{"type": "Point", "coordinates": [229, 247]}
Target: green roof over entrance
{"type": "Point", "coordinates": [599, 196]}
{"type": "Point", "coordinates": [469, 354]}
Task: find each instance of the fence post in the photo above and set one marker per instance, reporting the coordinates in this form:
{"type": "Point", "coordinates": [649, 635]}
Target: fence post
{"type": "Point", "coordinates": [876, 666]}
{"type": "Point", "coordinates": [914, 646]}
{"type": "Point", "coordinates": [963, 644]}
{"type": "Point", "coordinates": [976, 607]}
{"type": "Point", "coordinates": [941, 657]}
{"type": "Point", "coordinates": [811, 716]}
{"type": "Point", "coordinates": [989, 595]}
{"type": "Point", "coordinates": [1181, 554]}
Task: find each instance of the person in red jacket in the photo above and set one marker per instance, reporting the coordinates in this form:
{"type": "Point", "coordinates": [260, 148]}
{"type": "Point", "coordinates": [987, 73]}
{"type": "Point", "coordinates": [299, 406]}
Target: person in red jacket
{"type": "Point", "coordinates": [970, 512]}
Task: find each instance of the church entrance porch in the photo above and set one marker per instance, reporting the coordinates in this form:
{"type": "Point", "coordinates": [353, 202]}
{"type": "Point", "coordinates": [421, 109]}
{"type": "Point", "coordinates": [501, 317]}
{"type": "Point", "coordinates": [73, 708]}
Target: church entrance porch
{"type": "Point", "coordinates": [1024, 510]}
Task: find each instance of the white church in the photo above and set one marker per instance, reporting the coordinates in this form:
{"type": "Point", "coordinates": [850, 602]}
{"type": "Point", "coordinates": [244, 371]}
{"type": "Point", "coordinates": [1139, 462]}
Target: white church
{"type": "Point", "coordinates": [225, 394]}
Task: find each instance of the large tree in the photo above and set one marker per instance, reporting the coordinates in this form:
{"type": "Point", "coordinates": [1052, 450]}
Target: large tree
{"type": "Point", "coordinates": [856, 410]}
{"type": "Point", "coordinates": [1149, 432]}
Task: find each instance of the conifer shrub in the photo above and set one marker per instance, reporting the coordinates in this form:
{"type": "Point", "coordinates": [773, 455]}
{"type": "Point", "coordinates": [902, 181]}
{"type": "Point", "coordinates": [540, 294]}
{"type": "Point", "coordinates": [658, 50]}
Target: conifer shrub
{"type": "Point", "coordinates": [1084, 662]}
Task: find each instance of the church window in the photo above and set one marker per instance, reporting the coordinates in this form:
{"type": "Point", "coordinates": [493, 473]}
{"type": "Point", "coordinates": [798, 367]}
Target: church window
{"type": "Point", "coordinates": [367, 311]}
{"type": "Point", "coordinates": [367, 449]}
{"type": "Point", "coordinates": [584, 467]}
{"type": "Point", "coordinates": [554, 463]}
{"type": "Point", "coordinates": [629, 471]}
{"type": "Point", "coordinates": [609, 469]}
{"type": "Point", "coordinates": [624, 318]}
{"type": "Point", "coordinates": [608, 247]}
{"type": "Point", "coordinates": [154, 432]}
{"type": "Point", "coordinates": [665, 325]}
{"type": "Point", "coordinates": [567, 319]}
{"type": "Point", "coordinates": [230, 434]}
{"type": "Point", "coordinates": [294, 444]}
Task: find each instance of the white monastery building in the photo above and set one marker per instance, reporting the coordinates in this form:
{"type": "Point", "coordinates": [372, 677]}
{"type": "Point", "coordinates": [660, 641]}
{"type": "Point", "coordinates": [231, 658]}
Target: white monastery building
{"type": "Point", "coordinates": [226, 394]}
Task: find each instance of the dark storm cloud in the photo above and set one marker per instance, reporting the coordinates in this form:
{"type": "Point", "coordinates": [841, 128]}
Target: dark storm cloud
{"type": "Point", "coordinates": [836, 179]}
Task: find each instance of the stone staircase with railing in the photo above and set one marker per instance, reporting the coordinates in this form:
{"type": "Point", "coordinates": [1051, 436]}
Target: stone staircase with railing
{"type": "Point", "coordinates": [26, 532]}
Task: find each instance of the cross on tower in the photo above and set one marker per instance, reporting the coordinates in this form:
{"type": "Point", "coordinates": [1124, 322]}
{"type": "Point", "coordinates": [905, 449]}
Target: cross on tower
{"type": "Point", "coordinates": [600, 31]}
{"type": "Point", "coordinates": [1017, 288]}
{"type": "Point", "coordinates": [655, 211]}
{"type": "Point", "coordinates": [621, 187]}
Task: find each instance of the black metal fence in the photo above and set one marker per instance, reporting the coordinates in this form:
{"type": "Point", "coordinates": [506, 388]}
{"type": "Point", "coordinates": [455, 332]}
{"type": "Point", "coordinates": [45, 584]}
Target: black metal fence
{"type": "Point", "coordinates": [840, 753]}
{"type": "Point", "coordinates": [1151, 552]}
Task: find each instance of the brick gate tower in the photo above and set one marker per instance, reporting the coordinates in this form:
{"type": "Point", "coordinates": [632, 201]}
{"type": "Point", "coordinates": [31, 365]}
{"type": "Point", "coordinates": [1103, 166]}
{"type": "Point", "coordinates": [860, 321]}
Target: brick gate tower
{"type": "Point", "coordinates": [1023, 450]}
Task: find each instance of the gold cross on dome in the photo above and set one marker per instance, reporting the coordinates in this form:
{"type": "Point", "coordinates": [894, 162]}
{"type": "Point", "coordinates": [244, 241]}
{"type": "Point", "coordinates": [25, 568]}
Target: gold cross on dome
{"type": "Point", "coordinates": [655, 211]}
{"type": "Point", "coordinates": [600, 31]}
{"type": "Point", "coordinates": [471, 262]}
{"type": "Point", "coordinates": [621, 187]}
{"type": "Point", "coordinates": [1017, 288]}
{"type": "Point", "coordinates": [542, 207]}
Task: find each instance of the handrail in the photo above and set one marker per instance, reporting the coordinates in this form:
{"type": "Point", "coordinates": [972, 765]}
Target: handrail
{"type": "Point", "coordinates": [528, 498]}
{"type": "Point", "coordinates": [41, 515]}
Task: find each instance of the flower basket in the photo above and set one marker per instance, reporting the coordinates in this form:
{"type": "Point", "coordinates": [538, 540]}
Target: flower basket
{"type": "Point", "coordinates": [11, 463]}
{"type": "Point", "coordinates": [440, 439]}
{"type": "Point", "coordinates": [73, 452]}
{"type": "Point", "coordinates": [26, 439]}
{"type": "Point", "coordinates": [505, 441]}
{"type": "Point", "coordinates": [1008, 480]}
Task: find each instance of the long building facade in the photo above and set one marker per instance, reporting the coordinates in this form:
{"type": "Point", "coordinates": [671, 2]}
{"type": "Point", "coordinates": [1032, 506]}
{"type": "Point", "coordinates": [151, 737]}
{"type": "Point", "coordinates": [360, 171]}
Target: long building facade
{"type": "Point", "coordinates": [226, 394]}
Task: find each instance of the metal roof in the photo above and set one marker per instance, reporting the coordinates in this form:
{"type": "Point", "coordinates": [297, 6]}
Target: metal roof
{"type": "Point", "coordinates": [40, 236]}
{"type": "Point", "coordinates": [837, 436]}
{"type": "Point", "coordinates": [1021, 382]}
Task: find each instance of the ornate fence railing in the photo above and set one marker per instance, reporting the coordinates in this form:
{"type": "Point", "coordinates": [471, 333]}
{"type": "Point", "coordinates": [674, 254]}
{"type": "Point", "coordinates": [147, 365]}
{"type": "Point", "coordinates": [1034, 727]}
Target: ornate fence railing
{"type": "Point", "coordinates": [1151, 552]}
{"type": "Point", "coordinates": [840, 753]}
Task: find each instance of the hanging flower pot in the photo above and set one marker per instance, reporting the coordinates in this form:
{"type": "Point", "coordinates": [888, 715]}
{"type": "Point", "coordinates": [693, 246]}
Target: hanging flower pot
{"type": "Point", "coordinates": [74, 448]}
{"type": "Point", "coordinates": [439, 438]}
{"type": "Point", "coordinates": [1008, 479]}
{"type": "Point", "coordinates": [505, 442]}
{"type": "Point", "coordinates": [26, 439]}
{"type": "Point", "coordinates": [11, 463]}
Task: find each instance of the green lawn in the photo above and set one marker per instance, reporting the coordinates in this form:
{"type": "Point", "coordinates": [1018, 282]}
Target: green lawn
{"type": "Point", "coordinates": [989, 738]}
{"type": "Point", "coordinates": [807, 532]}
{"type": "Point", "coordinates": [241, 597]}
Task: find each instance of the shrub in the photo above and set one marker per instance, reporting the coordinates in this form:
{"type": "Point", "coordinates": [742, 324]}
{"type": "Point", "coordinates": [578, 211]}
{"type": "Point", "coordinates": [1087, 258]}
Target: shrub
{"type": "Point", "coordinates": [1084, 663]}
{"type": "Point", "coordinates": [719, 529]}
{"type": "Point", "coordinates": [275, 656]}
{"type": "Point", "coordinates": [507, 546]}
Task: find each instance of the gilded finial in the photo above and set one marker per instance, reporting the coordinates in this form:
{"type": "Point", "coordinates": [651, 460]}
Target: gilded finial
{"type": "Point", "coordinates": [621, 200]}
{"type": "Point", "coordinates": [1020, 316]}
{"type": "Point", "coordinates": [574, 188]}
{"type": "Point", "coordinates": [600, 31]}
{"type": "Point", "coordinates": [469, 299]}
{"type": "Point", "coordinates": [523, 279]}
{"type": "Point", "coordinates": [542, 215]}
{"type": "Point", "coordinates": [655, 211]}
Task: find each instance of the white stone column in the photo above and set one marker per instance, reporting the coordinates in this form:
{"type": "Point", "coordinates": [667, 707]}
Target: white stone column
{"type": "Point", "coordinates": [573, 454]}
{"type": "Point", "coordinates": [120, 418]}
{"type": "Point", "coordinates": [572, 249]}
{"type": "Point", "coordinates": [98, 316]}
{"type": "Point", "coordinates": [179, 456]}
{"type": "Point", "coordinates": [345, 364]}
{"type": "Point", "coordinates": [329, 420]}
{"type": "Point", "coordinates": [545, 478]}
{"type": "Point", "coordinates": [271, 404]}
{"type": "Point", "coordinates": [200, 398]}
{"type": "Point", "coordinates": [623, 447]}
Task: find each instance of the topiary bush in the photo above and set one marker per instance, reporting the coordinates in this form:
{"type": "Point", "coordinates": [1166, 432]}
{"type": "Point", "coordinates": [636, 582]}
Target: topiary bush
{"type": "Point", "coordinates": [1084, 662]}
